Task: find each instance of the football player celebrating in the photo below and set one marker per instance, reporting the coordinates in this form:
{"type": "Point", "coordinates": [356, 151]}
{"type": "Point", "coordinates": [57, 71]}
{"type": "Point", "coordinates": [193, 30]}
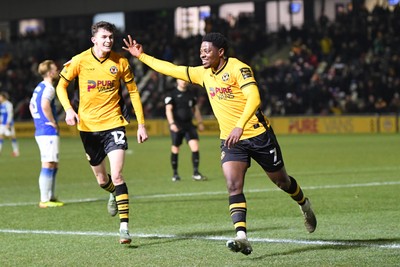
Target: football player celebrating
{"type": "Point", "coordinates": [245, 132]}
{"type": "Point", "coordinates": [101, 118]}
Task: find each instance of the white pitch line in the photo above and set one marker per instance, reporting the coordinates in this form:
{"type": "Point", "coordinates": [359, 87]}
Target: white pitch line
{"type": "Point", "coordinates": [334, 186]}
{"type": "Point", "coordinates": [269, 190]}
{"type": "Point", "coordinates": [367, 243]}
{"type": "Point", "coordinates": [211, 193]}
{"type": "Point", "coordinates": [84, 200]}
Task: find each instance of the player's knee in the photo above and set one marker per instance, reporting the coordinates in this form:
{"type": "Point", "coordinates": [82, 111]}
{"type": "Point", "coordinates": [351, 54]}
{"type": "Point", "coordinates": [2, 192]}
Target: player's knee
{"type": "Point", "coordinates": [102, 178]}
{"type": "Point", "coordinates": [234, 186]}
{"type": "Point", "coordinates": [118, 179]}
{"type": "Point", "coordinates": [282, 182]}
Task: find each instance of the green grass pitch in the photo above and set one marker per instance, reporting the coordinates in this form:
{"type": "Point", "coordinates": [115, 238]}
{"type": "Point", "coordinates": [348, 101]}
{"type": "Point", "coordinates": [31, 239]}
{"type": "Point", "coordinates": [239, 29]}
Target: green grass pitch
{"type": "Point", "coordinates": [353, 182]}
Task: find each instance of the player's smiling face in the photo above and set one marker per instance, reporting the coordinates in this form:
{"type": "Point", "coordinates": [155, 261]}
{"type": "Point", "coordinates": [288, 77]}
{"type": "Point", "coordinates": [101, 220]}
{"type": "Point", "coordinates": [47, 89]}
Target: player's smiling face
{"type": "Point", "coordinates": [103, 41]}
{"type": "Point", "coordinates": [210, 55]}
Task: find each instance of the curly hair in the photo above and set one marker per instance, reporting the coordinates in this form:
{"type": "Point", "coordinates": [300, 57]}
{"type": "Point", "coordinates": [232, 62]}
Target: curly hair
{"type": "Point", "coordinates": [217, 39]}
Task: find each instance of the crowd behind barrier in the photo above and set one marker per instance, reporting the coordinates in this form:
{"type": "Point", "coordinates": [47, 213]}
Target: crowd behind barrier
{"type": "Point", "coordinates": [347, 66]}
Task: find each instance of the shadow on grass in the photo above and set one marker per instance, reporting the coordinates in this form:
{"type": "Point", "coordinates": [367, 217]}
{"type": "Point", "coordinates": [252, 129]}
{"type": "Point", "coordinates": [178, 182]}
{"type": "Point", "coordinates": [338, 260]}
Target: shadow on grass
{"type": "Point", "coordinates": [336, 244]}
{"type": "Point", "coordinates": [182, 199]}
{"type": "Point", "coordinates": [131, 246]}
{"type": "Point", "coordinates": [306, 245]}
{"type": "Point", "coordinates": [229, 232]}
{"type": "Point", "coordinates": [156, 241]}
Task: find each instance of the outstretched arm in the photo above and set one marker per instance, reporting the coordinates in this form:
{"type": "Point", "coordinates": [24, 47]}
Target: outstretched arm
{"type": "Point", "coordinates": [161, 66]}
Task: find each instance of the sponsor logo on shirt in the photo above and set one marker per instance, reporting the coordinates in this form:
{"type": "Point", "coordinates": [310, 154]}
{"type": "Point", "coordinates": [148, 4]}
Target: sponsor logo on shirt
{"type": "Point", "coordinates": [221, 93]}
{"type": "Point", "coordinates": [101, 85]}
{"type": "Point", "coordinates": [246, 73]}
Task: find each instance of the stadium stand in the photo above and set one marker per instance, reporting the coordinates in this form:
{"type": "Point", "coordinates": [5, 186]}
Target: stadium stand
{"type": "Point", "coordinates": [347, 66]}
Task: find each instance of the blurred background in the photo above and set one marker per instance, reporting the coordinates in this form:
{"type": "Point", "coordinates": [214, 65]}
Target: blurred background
{"type": "Point", "coordinates": [322, 57]}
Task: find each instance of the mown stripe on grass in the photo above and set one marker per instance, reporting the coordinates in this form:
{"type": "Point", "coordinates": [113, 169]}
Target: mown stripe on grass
{"type": "Point", "coordinates": [211, 193]}
{"type": "Point", "coordinates": [340, 243]}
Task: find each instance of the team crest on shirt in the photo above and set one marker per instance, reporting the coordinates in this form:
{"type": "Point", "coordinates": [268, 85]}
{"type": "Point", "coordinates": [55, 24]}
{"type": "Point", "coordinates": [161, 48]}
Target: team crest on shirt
{"type": "Point", "coordinates": [113, 70]}
{"type": "Point", "coordinates": [225, 77]}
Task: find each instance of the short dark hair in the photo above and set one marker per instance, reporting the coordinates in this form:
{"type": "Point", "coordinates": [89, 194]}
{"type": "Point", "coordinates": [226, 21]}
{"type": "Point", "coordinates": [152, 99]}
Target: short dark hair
{"type": "Point", "coordinates": [217, 39]}
{"type": "Point", "coordinates": [103, 25]}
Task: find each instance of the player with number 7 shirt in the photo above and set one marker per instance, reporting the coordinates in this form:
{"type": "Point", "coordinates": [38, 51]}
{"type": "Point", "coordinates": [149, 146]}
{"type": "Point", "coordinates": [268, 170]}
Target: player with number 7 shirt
{"type": "Point", "coordinates": [245, 132]}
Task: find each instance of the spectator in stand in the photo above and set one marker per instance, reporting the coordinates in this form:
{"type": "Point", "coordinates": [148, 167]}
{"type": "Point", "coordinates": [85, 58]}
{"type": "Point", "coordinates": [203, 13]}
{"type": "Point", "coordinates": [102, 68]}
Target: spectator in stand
{"type": "Point", "coordinates": [368, 48]}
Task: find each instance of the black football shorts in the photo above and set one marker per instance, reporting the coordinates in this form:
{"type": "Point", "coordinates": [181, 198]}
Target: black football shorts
{"type": "Point", "coordinates": [263, 148]}
{"type": "Point", "coordinates": [98, 144]}
{"type": "Point", "coordinates": [188, 133]}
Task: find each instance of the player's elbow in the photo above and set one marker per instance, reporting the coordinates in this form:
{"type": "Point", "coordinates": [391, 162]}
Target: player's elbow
{"type": "Point", "coordinates": [255, 101]}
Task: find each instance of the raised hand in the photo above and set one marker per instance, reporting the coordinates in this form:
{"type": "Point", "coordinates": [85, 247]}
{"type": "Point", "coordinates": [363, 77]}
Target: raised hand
{"type": "Point", "coordinates": [132, 47]}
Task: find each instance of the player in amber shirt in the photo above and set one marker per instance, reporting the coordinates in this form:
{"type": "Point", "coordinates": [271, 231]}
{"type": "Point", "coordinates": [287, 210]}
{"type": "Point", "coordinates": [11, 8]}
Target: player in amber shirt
{"type": "Point", "coordinates": [245, 132]}
{"type": "Point", "coordinates": [100, 116]}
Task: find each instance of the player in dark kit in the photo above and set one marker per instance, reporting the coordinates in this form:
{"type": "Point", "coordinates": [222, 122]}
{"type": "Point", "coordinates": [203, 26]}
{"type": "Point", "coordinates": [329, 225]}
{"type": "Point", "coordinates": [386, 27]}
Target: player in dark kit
{"type": "Point", "coordinates": [180, 108]}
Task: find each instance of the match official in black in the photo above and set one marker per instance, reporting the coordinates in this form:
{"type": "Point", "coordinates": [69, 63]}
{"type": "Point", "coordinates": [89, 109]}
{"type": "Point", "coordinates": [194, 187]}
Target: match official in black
{"type": "Point", "coordinates": [180, 108]}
